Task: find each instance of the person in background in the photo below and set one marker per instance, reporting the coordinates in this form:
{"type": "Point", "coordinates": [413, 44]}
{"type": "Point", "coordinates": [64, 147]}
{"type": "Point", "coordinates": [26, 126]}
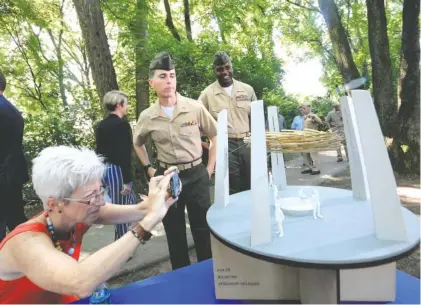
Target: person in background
{"type": "Point", "coordinates": [281, 124]}
{"type": "Point", "coordinates": [39, 259]}
{"type": "Point", "coordinates": [335, 122]}
{"type": "Point", "coordinates": [235, 96]}
{"type": "Point", "coordinates": [311, 121]}
{"type": "Point", "coordinates": [114, 142]}
{"type": "Point", "coordinates": [175, 124]}
{"type": "Point", "coordinates": [281, 121]}
{"type": "Point", "coordinates": [13, 167]}
{"type": "Point", "coordinates": [298, 122]}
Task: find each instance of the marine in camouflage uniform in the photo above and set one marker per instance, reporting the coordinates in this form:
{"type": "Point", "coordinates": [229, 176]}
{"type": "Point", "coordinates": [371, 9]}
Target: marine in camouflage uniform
{"type": "Point", "coordinates": [311, 121]}
{"type": "Point", "coordinates": [335, 122]}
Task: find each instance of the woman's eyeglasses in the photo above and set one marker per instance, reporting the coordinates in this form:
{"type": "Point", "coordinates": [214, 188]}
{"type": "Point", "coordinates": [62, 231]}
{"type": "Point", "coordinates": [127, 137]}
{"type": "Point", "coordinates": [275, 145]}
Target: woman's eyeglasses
{"type": "Point", "coordinates": [92, 200]}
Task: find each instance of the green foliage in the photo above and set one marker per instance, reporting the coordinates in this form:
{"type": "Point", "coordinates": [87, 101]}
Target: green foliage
{"type": "Point", "coordinates": [302, 27]}
{"type": "Point", "coordinates": [30, 60]}
{"type": "Point", "coordinates": [321, 106]}
{"type": "Point", "coordinates": [260, 73]}
{"type": "Point", "coordinates": [64, 126]}
{"type": "Point", "coordinates": [245, 29]}
{"type": "Point", "coordinates": [287, 105]}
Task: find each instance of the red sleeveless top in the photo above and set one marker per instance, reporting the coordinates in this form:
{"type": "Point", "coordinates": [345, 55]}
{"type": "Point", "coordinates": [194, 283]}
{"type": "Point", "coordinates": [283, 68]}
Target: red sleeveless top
{"type": "Point", "coordinates": [22, 290]}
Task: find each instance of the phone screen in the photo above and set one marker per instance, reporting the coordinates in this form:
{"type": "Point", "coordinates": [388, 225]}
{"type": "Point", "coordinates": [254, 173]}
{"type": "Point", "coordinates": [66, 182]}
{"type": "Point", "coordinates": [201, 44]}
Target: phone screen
{"type": "Point", "coordinates": [175, 185]}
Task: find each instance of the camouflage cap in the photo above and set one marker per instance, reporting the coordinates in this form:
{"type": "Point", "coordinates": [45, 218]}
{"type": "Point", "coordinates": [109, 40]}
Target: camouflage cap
{"type": "Point", "coordinates": [162, 61]}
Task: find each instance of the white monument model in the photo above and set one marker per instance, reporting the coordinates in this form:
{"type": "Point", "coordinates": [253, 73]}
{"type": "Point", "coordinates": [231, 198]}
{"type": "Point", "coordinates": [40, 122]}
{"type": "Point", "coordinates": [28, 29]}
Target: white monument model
{"type": "Point", "coordinates": [279, 217]}
{"type": "Point", "coordinates": [313, 200]}
{"type": "Point", "coordinates": [264, 249]}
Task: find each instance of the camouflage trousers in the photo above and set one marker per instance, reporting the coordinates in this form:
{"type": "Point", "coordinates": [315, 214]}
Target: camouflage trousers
{"type": "Point", "coordinates": [340, 132]}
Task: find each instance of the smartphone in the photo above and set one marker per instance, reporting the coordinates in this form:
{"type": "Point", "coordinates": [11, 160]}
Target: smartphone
{"type": "Point", "coordinates": [175, 185]}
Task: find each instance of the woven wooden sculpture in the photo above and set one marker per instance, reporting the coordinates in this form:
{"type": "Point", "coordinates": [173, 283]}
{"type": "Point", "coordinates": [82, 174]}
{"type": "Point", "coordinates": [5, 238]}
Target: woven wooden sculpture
{"type": "Point", "coordinates": [307, 140]}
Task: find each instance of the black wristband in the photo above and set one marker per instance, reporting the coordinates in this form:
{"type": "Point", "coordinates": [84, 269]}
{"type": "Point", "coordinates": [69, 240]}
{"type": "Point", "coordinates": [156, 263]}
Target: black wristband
{"type": "Point", "coordinates": [145, 168]}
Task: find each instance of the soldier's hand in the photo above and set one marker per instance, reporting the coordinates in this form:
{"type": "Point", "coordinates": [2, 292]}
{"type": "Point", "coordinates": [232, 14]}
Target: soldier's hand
{"type": "Point", "coordinates": [210, 171]}
{"type": "Point", "coordinates": [126, 189]}
{"type": "Point", "coordinates": [151, 172]}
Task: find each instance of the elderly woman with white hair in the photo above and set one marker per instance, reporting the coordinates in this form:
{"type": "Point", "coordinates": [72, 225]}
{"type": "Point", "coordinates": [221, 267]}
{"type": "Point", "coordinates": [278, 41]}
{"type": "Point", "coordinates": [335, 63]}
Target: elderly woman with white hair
{"type": "Point", "coordinates": [39, 258]}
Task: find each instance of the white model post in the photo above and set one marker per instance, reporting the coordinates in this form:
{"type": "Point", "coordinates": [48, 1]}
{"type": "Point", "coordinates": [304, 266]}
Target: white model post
{"type": "Point", "coordinates": [277, 158]}
{"type": "Point", "coordinates": [221, 174]}
{"type": "Point", "coordinates": [359, 182]}
{"type": "Point", "coordinates": [260, 217]}
{"type": "Point", "coordinates": [386, 204]}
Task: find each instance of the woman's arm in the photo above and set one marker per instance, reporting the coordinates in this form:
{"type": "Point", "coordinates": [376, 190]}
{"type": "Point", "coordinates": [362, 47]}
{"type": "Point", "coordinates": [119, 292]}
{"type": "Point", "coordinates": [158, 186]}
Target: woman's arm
{"type": "Point", "coordinates": [34, 255]}
{"type": "Point", "coordinates": [111, 214]}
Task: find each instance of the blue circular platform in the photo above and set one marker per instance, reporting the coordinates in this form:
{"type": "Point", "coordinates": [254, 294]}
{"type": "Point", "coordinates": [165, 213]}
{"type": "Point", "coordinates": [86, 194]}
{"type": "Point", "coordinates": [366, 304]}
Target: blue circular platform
{"type": "Point", "coordinates": [344, 238]}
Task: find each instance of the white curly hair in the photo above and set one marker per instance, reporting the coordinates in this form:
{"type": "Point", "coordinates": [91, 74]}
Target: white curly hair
{"type": "Point", "coordinates": [59, 170]}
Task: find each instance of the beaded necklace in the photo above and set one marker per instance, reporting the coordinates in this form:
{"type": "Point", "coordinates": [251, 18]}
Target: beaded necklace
{"type": "Point", "coordinates": [50, 228]}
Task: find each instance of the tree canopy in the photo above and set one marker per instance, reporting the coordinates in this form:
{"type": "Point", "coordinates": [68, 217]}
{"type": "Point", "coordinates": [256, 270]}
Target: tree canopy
{"type": "Point", "coordinates": [61, 56]}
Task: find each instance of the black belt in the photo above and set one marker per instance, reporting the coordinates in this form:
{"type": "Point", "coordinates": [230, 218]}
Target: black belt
{"type": "Point", "coordinates": [181, 166]}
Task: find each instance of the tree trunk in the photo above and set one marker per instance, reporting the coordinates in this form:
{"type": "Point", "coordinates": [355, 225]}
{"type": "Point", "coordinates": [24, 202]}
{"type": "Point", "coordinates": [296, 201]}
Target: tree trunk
{"type": "Point", "coordinates": [140, 31]}
{"type": "Point", "coordinates": [381, 66]}
{"type": "Point", "coordinates": [340, 43]}
{"type": "Point", "coordinates": [187, 21]}
{"type": "Point", "coordinates": [405, 150]}
{"type": "Point", "coordinates": [60, 57]}
{"type": "Point", "coordinates": [169, 22]}
{"type": "Point", "coordinates": [360, 41]}
{"type": "Point", "coordinates": [91, 22]}
{"type": "Point", "coordinates": [221, 29]}
{"type": "Point", "coordinates": [60, 72]}
{"type": "Point", "coordinates": [58, 49]}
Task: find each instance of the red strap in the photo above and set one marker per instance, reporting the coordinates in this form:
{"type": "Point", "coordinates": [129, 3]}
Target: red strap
{"type": "Point", "coordinates": [25, 227]}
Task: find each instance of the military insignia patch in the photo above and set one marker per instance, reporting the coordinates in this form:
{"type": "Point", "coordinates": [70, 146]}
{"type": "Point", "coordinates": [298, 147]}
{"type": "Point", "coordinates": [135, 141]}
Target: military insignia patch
{"type": "Point", "coordinates": [242, 98]}
{"type": "Point", "coordinates": [189, 123]}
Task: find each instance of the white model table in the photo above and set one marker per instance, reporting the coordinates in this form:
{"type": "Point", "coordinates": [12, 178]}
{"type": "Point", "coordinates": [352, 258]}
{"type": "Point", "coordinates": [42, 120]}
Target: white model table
{"type": "Point", "coordinates": [343, 239]}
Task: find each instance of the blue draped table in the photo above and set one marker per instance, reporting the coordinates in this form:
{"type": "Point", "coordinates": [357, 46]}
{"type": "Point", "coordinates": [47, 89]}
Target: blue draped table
{"type": "Point", "coordinates": [194, 285]}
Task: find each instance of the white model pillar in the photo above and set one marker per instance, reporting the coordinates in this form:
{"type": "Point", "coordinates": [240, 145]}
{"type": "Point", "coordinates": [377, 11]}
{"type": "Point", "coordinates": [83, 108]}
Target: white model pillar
{"type": "Point", "coordinates": [260, 217]}
{"type": "Point", "coordinates": [222, 174]}
{"type": "Point", "coordinates": [359, 182]}
{"type": "Point", "coordinates": [387, 210]}
{"type": "Point", "coordinates": [277, 158]}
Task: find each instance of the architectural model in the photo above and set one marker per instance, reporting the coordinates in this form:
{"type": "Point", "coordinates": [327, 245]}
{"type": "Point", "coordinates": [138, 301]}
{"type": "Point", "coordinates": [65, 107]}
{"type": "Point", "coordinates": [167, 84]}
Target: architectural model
{"type": "Point", "coordinates": [273, 243]}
